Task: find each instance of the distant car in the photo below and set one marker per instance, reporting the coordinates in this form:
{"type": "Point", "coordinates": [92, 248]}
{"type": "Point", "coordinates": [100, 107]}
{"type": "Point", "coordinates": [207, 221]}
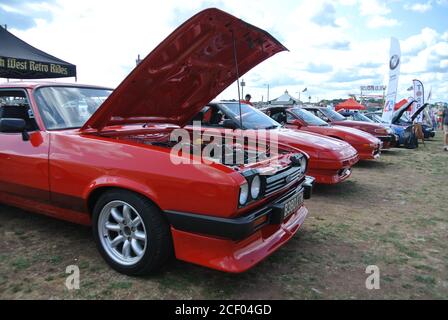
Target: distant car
{"type": "Point", "coordinates": [381, 132]}
{"type": "Point", "coordinates": [356, 115]}
{"type": "Point", "coordinates": [295, 118]}
{"type": "Point", "coordinates": [404, 120]}
{"type": "Point", "coordinates": [330, 161]}
{"type": "Point", "coordinates": [398, 130]}
{"type": "Point", "coordinates": [400, 119]}
{"type": "Point", "coordinates": [375, 117]}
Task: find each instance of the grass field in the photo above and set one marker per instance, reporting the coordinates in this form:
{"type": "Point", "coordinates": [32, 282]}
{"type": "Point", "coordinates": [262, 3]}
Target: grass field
{"type": "Point", "coordinates": [392, 213]}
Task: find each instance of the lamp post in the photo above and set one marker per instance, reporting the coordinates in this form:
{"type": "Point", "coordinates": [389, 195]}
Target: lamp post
{"type": "Point", "coordinates": [267, 97]}
{"type": "Point", "coordinates": [243, 84]}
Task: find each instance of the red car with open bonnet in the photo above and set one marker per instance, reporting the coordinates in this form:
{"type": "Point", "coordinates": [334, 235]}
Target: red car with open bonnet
{"type": "Point", "coordinates": [368, 146]}
{"type": "Point", "coordinates": [330, 160]}
{"type": "Point", "coordinates": [381, 132]}
{"type": "Point", "coordinates": [99, 157]}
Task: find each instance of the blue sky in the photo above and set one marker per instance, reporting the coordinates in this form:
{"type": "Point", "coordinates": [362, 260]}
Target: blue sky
{"type": "Point", "coordinates": [335, 46]}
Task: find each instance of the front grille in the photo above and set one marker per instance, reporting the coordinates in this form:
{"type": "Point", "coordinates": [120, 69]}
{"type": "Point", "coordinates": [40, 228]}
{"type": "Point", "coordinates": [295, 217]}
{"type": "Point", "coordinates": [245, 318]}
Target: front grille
{"type": "Point", "coordinates": [282, 178]}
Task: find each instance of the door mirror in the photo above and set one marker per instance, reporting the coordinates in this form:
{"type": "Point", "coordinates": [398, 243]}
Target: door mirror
{"type": "Point", "coordinates": [295, 122]}
{"type": "Point", "coordinates": [229, 124]}
{"type": "Point", "coordinates": [14, 125]}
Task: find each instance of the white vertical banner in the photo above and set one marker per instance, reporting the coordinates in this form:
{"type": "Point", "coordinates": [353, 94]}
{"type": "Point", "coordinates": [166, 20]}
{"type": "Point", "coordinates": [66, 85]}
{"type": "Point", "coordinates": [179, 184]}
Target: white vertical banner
{"type": "Point", "coordinates": [394, 72]}
{"type": "Point", "coordinates": [419, 97]}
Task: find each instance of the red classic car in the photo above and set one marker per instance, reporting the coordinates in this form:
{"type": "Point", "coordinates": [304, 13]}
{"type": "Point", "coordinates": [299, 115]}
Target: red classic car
{"type": "Point", "coordinates": [368, 146]}
{"type": "Point", "coordinates": [383, 133]}
{"type": "Point", "coordinates": [330, 159]}
{"type": "Point", "coordinates": [99, 157]}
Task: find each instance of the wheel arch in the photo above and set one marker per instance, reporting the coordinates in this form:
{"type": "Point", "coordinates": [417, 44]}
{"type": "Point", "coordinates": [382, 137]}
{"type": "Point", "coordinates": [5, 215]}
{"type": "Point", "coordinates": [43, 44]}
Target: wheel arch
{"type": "Point", "coordinates": [94, 192]}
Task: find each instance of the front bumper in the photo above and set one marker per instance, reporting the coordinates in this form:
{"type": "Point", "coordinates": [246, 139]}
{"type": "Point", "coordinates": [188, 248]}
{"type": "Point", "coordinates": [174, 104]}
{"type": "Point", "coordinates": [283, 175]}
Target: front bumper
{"type": "Point", "coordinates": [240, 227]}
{"type": "Point", "coordinates": [235, 245]}
{"type": "Point", "coordinates": [236, 256]}
{"type": "Point", "coordinates": [369, 153]}
{"type": "Point", "coordinates": [332, 172]}
{"type": "Point", "coordinates": [388, 141]}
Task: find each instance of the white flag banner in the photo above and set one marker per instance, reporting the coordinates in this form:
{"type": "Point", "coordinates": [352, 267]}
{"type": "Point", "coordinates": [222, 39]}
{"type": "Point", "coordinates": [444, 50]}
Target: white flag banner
{"type": "Point", "coordinates": [419, 97]}
{"type": "Point", "coordinates": [394, 72]}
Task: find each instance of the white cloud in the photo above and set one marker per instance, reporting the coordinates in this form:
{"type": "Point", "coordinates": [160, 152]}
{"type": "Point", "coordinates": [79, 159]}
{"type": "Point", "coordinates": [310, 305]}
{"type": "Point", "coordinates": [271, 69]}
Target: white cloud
{"type": "Point", "coordinates": [427, 60]}
{"type": "Point", "coordinates": [445, 36]}
{"type": "Point", "coordinates": [9, 8]}
{"type": "Point", "coordinates": [376, 13]}
{"type": "Point", "coordinates": [419, 7]}
{"type": "Point", "coordinates": [380, 21]}
{"type": "Point", "coordinates": [418, 42]}
{"type": "Point", "coordinates": [373, 8]}
{"type": "Point", "coordinates": [103, 39]}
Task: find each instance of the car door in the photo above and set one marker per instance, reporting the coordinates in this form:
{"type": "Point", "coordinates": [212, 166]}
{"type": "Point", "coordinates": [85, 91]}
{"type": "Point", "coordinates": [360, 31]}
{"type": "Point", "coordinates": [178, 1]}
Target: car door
{"type": "Point", "coordinates": [292, 121]}
{"type": "Point", "coordinates": [23, 160]}
{"type": "Point", "coordinates": [321, 115]}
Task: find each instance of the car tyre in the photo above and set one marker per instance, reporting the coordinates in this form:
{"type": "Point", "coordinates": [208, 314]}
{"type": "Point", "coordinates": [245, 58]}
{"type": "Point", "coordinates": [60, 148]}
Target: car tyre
{"type": "Point", "coordinates": [131, 233]}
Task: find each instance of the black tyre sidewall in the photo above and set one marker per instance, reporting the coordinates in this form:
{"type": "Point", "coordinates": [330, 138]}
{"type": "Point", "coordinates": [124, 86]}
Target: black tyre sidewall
{"type": "Point", "coordinates": [159, 242]}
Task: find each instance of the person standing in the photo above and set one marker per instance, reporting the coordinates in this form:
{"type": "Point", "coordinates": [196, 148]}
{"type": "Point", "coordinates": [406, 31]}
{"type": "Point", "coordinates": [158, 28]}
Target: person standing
{"type": "Point", "coordinates": [440, 119]}
{"type": "Point", "coordinates": [445, 126]}
{"type": "Point", "coordinates": [433, 117]}
{"type": "Point", "coordinates": [247, 99]}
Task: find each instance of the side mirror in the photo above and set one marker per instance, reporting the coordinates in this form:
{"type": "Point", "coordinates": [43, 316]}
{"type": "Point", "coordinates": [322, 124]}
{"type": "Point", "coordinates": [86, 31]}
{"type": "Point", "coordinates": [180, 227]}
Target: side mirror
{"type": "Point", "coordinates": [296, 122]}
{"type": "Point", "coordinates": [229, 124]}
{"type": "Point", "coordinates": [14, 125]}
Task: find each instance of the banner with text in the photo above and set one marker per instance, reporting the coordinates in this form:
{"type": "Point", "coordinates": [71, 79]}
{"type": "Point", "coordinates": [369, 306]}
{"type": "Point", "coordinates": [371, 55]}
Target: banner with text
{"type": "Point", "coordinates": [419, 97]}
{"type": "Point", "coordinates": [29, 69]}
{"type": "Point", "coordinates": [394, 72]}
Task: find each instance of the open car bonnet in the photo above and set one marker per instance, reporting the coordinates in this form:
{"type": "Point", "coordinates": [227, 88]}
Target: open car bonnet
{"type": "Point", "coordinates": [418, 111]}
{"type": "Point", "coordinates": [399, 113]}
{"type": "Point", "coordinates": [186, 71]}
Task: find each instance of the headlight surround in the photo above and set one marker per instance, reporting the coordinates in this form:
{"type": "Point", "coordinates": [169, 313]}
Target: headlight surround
{"type": "Point", "coordinates": [252, 189]}
{"type": "Point", "coordinates": [303, 164]}
{"type": "Point", "coordinates": [300, 160]}
{"type": "Point", "coordinates": [244, 194]}
{"type": "Point", "coordinates": [255, 187]}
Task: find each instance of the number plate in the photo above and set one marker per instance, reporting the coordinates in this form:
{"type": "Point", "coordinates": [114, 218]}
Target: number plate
{"type": "Point", "coordinates": [293, 204]}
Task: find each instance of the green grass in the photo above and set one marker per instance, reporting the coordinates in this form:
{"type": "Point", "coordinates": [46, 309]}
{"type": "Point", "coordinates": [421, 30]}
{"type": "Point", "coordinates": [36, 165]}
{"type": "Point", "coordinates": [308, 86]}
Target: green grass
{"type": "Point", "coordinates": [120, 285]}
{"type": "Point", "coordinates": [426, 279]}
{"type": "Point", "coordinates": [21, 263]}
{"type": "Point", "coordinates": [55, 260]}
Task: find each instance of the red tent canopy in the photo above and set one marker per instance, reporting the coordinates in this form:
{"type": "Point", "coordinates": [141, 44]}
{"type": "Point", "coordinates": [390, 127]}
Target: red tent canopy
{"type": "Point", "coordinates": [400, 103]}
{"type": "Point", "coordinates": [350, 104]}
